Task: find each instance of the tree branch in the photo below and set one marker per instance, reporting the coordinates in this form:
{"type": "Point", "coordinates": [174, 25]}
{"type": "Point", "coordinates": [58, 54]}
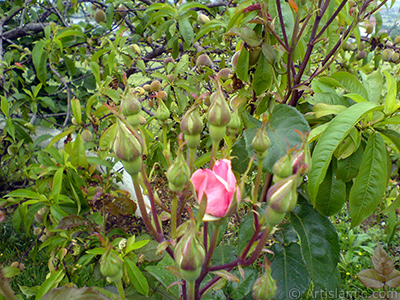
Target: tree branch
{"type": "Point", "coordinates": [26, 30]}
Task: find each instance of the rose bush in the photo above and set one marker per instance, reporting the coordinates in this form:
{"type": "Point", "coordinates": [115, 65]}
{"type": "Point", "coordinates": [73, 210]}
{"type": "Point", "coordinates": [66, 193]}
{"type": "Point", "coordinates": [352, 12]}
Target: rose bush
{"type": "Point", "coordinates": [219, 185]}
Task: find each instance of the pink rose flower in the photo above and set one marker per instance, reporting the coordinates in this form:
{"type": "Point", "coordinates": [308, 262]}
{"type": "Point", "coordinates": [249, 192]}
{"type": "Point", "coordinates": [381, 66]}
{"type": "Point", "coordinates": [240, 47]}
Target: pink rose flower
{"type": "Point", "coordinates": [219, 185]}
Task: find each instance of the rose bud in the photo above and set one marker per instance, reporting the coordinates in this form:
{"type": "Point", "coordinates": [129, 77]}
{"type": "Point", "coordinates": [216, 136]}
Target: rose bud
{"type": "Point", "coordinates": [189, 255]}
{"type": "Point", "coordinates": [128, 149]}
{"type": "Point", "coordinates": [219, 116]}
{"type": "Point", "coordinates": [282, 196]}
{"type": "Point", "coordinates": [235, 122]}
{"type": "Point", "coordinates": [264, 287]}
{"type": "Point", "coordinates": [111, 266]}
{"type": "Point", "coordinates": [283, 167]}
{"type": "Point", "coordinates": [272, 217]}
{"type": "Point", "coordinates": [220, 188]}
{"type": "Point", "coordinates": [192, 126]}
{"type": "Point", "coordinates": [162, 112]}
{"type": "Point", "coordinates": [178, 174]}
{"type": "Point", "coordinates": [130, 105]}
{"type": "Point", "coordinates": [261, 143]}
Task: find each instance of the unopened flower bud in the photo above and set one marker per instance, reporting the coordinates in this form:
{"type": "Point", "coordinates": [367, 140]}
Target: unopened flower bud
{"type": "Point", "coordinates": [282, 196]}
{"type": "Point", "coordinates": [134, 120]}
{"type": "Point", "coordinates": [261, 141]}
{"type": "Point", "coordinates": [189, 255]}
{"type": "Point", "coordinates": [219, 113]}
{"type": "Point", "coordinates": [130, 105]}
{"type": "Point", "coordinates": [126, 145]}
{"type": "Point", "coordinates": [235, 121]}
{"type": "Point", "coordinates": [178, 174]}
{"type": "Point", "coordinates": [283, 167]}
{"type": "Point", "coordinates": [264, 287]}
{"type": "Point", "coordinates": [111, 266]}
{"type": "Point", "coordinates": [162, 112]}
{"type": "Point", "coordinates": [191, 123]}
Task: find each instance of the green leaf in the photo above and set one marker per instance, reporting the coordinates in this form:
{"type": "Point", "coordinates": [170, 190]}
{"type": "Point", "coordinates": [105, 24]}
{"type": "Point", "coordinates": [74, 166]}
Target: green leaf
{"type": "Point", "coordinates": [347, 168]}
{"type": "Point", "coordinates": [50, 283]}
{"type": "Point", "coordinates": [242, 67]}
{"type": "Point", "coordinates": [78, 158]}
{"type": "Point", "coordinates": [136, 277]}
{"type": "Point", "coordinates": [4, 105]}
{"type": "Point", "coordinates": [224, 254]}
{"type": "Point", "coordinates": [390, 99]}
{"type": "Point", "coordinates": [370, 183]}
{"type": "Point", "coordinates": [186, 30]}
{"type": "Point", "coordinates": [39, 58]}
{"type": "Point", "coordinates": [76, 110]}
{"type": "Point", "coordinates": [262, 76]}
{"type": "Point", "coordinates": [331, 194]}
{"type": "Point", "coordinates": [239, 290]}
{"type": "Point", "coordinates": [57, 183]}
{"type": "Point", "coordinates": [319, 242]}
{"type": "Point", "coordinates": [330, 139]}
{"type": "Point", "coordinates": [249, 36]}
{"type": "Point", "coordinates": [289, 271]}
{"type": "Point", "coordinates": [163, 275]}
{"type": "Point", "coordinates": [373, 83]}
{"type": "Point", "coordinates": [351, 83]}
{"type": "Point", "coordinates": [246, 230]}
{"type": "Point", "coordinates": [22, 193]}
{"type": "Point", "coordinates": [392, 136]}
{"type": "Point", "coordinates": [281, 129]}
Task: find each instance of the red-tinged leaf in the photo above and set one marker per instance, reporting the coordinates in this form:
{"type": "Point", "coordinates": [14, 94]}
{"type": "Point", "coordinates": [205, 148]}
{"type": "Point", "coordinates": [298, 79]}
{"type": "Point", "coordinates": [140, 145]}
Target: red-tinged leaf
{"type": "Point", "coordinates": [382, 262]}
{"type": "Point", "coordinates": [226, 275]}
{"type": "Point", "coordinates": [70, 222]}
{"type": "Point", "coordinates": [393, 279]}
{"type": "Point", "coordinates": [252, 7]}
{"type": "Point", "coordinates": [293, 5]}
{"type": "Point", "coordinates": [371, 278]}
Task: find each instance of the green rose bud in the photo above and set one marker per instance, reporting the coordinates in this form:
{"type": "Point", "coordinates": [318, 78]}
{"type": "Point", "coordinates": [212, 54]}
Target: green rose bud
{"type": "Point", "coordinates": [235, 121]}
{"type": "Point", "coordinates": [261, 143]}
{"type": "Point", "coordinates": [162, 112]}
{"type": "Point", "coordinates": [273, 217]}
{"type": "Point", "coordinates": [190, 255]}
{"type": "Point", "coordinates": [111, 266]}
{"type": "Point", "coordinates": [126, 145]}
{"type": "Point", "coordinates": [191, 122]}
{"type": "Point", "coordinates": [178, 173]}
{"type": "Point", "coordinates": [219, 113]}
{"type": "Point", "coordinates": [282, 196]}
{"type": "Point", "coordinates": [283, 167]}
{"type": "Point", "coordinates": [130, 105]}
{"type": "Point", "coordinates": [264, 287]}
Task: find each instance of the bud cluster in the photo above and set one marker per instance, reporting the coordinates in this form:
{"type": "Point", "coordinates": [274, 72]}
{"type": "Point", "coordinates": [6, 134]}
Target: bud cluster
{"type": "Point", "coordinates": [288, 175]}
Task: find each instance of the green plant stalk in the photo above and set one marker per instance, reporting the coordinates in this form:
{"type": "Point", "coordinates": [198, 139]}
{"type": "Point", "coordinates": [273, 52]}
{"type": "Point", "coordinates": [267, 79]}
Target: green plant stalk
{"type": "Point", "coordinates": [174, 209]}
{"type": "Point", "coordinates": [142, 207]}
{"type": "Point", "coordinates": [165, 143]}
{"type": "Point", "coordinates": [5, 287]}
{"type": "Point", "coordinates": [191, 289]}
{"type": "Point", "coordinates": [192, 156]}
{"type": "Point", "coordinates": [257, 183]}
{"type": "Point", "coordinates": [121, 290]}
{"type": "Point", "coordinates": [214, 150]}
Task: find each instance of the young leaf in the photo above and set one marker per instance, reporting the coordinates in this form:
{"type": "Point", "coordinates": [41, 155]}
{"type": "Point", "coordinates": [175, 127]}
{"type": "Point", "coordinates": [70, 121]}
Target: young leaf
{"type": "Point", "coordinates": [370, 183]}
{"type": "Point", "coordinates": [330, 139]}
{"type": "Point", "coordinates": [371, 278]}
{"type": "Point", "coordinates": [186, 29]}
{"type": "Point", "coordinates": [382, 262]}
{"type": "Point", "coordinates": [136, 277]}
{"type": "Point", "coordinates": [39, 58]}
{"type": "Point", "coordinates": [390, 99]}
{"type": "Point", "coordinates": [78, 158]}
